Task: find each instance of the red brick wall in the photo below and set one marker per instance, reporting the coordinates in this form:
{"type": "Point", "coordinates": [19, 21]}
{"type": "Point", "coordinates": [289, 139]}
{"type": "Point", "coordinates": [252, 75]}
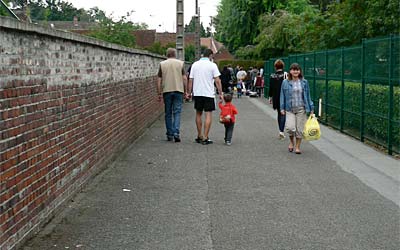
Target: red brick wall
{"type": "Point", "coordinates": [68, 105]}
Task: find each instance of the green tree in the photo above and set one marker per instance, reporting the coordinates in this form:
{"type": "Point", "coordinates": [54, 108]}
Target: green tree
{"type": "Point", "coordinates": [158, 49]}
{"type": "Point", "coordinates": [3, 10]}
{"type": "Point", "coordinates": [190, 51]}
{"type": "Point", "coordinates": [191, 27]}
{"type": "Point", "coordinates": [383, 18]}
{"type": "Point", "coordinates": [119, 32]}
{"type": "Point", "coordinates": [295, 26]}
{"type": "Point", "coordinates": [357, 19]}
{"type": "Point", "coordinates": [237, 20]}
{"type": "Point", "coordinates": [96, 15]}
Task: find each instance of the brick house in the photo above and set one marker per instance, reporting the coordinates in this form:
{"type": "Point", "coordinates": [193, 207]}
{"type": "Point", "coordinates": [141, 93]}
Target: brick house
{"type": "Point", "coordinates": [145, 38]}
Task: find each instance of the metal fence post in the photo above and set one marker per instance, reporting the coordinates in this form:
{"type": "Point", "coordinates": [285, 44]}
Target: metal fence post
{"type": "Point", "coordinates": [326, 86]}
{"type": "Point", "coordinates": [315, 82]}
{"type": "Point", "coordinates": [342, 93]}
{"type": "Point", "coordinates": [362, 122]}
{"type": "Point", "coordinates": [266, 81]}
{"type": "Point", "coordinates": [391, 96]}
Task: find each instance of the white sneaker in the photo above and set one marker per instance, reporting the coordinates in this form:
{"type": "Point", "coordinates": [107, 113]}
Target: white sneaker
{"type": "Point", "coordinates": [281, 135]}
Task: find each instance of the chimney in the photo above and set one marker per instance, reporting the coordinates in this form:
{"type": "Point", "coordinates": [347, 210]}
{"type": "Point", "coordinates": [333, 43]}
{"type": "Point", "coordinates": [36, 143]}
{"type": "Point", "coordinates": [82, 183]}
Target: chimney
{"type": "Point", "coordinates": [75, 21]}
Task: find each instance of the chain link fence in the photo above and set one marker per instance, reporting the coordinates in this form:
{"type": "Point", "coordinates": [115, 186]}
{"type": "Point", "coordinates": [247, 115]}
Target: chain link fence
{"type": "Point", "coordinates": [358, 87]}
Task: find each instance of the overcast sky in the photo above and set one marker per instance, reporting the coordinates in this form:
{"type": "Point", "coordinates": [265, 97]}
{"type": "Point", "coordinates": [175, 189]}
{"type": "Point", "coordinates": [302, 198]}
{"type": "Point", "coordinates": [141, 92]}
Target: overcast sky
{"type": "Point", "coordinates": [158, 14]}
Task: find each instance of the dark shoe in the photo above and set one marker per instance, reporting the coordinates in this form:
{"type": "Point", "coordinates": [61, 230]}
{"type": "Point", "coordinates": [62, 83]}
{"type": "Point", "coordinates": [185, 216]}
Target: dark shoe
{"type": "Point", "coordinates": [177, 138]}
{"type": "Point", "coordinates": [290, 149]}
{"type": "Point", "coordinates": [170, 138]}
{"type": "Point", "coordinates": [298, 152]}
{"type": "Point", "coordinates": [207, 141]}
{"type": "Point", "coordinates": [198, 140]}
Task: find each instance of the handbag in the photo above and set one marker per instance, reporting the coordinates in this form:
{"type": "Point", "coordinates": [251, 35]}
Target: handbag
{"type": "Point", "coordinates": [312, 131]}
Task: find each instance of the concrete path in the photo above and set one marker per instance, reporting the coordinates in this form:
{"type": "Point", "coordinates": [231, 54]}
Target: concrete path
{"type": "Point", "coordinates": [338, 194]}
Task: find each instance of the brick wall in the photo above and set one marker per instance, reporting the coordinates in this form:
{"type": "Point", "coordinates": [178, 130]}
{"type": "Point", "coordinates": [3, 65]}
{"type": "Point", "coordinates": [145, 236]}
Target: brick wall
{"type": "Point", "coordinates": [68, 105]}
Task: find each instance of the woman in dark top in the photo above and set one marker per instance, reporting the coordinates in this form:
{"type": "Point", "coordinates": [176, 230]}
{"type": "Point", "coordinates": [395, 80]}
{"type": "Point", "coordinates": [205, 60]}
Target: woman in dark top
{"type": "Point", "coordinates": [225, 79]}
{"type": "Point", "coordinates": [275, 83]}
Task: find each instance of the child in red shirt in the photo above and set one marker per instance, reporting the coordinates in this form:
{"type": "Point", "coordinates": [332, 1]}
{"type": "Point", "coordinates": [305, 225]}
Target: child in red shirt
{"type": "Point", "coordinates": [227, 117]}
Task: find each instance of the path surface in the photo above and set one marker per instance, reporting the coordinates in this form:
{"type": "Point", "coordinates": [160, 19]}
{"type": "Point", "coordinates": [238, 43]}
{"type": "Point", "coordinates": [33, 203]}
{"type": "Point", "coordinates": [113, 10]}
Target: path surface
{"type": "Point", "coordinates": [339, 194]}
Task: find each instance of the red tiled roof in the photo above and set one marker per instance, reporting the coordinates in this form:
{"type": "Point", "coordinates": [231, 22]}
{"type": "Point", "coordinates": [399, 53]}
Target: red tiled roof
{"type": "Point", "coordinates": [223, 54]}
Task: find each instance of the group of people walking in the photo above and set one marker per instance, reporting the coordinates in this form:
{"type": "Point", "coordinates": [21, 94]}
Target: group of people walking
{"type": "Point", "coordinates": [289, 95]}
{"type": "Point", "coordinates": [241, 81]}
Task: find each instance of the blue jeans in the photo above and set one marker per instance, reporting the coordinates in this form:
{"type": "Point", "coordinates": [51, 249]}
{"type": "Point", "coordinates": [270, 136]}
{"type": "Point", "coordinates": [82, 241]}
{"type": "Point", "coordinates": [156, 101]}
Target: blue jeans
{"type": "Point", "coordinates": [281, 120]}
{"type": "Point", "coordinates": [173, 108]}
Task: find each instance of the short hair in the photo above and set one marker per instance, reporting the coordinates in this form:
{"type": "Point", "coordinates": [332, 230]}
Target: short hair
{"type": "Point", "coordinates": [295, 66]}
{"type": "Point", "coordinates": [207, 52]}
{"type": "Point", "coordinates": [227, 97]}
{"type": "Point", "coordinates": [171, 52]}
{"type": "Point", "coordinates": [279, 64]}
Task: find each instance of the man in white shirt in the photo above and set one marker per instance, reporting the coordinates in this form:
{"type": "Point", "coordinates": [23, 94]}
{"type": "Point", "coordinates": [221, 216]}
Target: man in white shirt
{"type": "Point", "coordinates": [203, 73]}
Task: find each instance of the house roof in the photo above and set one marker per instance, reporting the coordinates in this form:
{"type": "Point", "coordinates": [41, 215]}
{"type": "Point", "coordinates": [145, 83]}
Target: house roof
{"type": "Point", "coordinates": [146, 38]}
{"type": "Point", "coordinates": [211, 43]}
{"type": "Point", "coordinates": [167, 38]}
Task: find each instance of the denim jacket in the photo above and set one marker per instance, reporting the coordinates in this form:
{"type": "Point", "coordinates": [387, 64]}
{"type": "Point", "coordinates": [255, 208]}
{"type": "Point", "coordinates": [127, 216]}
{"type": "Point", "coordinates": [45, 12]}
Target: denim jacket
{"type": "Point", "coordinates": [286, 96]}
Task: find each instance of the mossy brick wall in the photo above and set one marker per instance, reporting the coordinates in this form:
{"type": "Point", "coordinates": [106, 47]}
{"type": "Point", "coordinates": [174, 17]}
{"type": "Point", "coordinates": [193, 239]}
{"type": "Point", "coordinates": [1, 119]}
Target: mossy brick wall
{"type": "Point", "coordinates": [68, 105]}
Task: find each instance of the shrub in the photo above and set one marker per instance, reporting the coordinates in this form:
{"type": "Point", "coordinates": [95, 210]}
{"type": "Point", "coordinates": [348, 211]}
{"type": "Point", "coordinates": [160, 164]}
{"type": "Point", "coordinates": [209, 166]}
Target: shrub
{"type": "Point", "coordinates": [376, 109]}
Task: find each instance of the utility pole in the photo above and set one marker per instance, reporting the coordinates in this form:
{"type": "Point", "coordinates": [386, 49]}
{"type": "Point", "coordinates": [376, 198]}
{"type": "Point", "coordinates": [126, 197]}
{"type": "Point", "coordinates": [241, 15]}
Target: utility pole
{"type": "Point", "coordinates": [180, 35]}
{"type": "Point", "coordinates": [197, 33]}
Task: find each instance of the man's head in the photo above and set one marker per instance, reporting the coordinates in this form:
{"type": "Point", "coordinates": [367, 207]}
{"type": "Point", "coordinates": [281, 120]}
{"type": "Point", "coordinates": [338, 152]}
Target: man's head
{"type": "Point", "coordinates": [208, 53]}
{"type": "Point", "coordinates": [171, 53]}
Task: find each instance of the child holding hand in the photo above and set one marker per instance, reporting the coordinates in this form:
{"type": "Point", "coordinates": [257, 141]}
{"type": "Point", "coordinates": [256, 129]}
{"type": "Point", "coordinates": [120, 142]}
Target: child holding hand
{"type": "Point", "coordinates": [227, 117]}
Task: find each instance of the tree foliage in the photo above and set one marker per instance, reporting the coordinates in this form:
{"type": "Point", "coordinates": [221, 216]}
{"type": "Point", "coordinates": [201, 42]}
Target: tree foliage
{"type": "Point", "coordinates": [277, 28]}
{"type": "Point", "coordinates": [3, 11]}
{"type": "Point", "coordinates": [191, 27]}
{"type": "Point", "coordinates": [119, 32]}
{"type": "Point", "coordinates": [236, 22]}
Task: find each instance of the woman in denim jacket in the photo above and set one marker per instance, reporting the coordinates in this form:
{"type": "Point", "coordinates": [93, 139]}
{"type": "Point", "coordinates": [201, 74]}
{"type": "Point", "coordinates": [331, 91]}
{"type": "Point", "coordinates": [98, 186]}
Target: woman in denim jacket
{"type": "Point", "coordinates": [295, 102]}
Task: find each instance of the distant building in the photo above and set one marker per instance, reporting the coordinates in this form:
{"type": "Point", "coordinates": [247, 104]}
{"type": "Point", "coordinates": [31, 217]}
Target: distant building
{"type": "Point", "coordinates": [146, 38]}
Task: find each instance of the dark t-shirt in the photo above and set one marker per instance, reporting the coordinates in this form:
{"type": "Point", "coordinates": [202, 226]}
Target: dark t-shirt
{"type": "Point", "coordinates": [275, 83]}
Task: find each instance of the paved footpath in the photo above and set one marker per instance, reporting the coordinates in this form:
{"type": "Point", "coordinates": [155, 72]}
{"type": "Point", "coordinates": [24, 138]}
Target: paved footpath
{"type": "Point", "coordinates": [159, 195]}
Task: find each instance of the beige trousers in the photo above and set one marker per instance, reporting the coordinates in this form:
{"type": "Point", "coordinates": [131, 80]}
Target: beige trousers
{"type": "Point", "coordinates": [295, 121]}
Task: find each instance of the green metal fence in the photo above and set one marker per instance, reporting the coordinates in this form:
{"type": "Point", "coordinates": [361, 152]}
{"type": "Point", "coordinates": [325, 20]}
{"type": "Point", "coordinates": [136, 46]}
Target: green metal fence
{"type": "Point", "coordinates": [359, 88]}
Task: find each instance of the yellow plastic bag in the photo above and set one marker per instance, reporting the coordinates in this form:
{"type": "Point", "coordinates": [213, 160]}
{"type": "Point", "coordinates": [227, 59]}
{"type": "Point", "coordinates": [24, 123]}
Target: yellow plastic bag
{"type": "Point", "coordinates": [312, 130]}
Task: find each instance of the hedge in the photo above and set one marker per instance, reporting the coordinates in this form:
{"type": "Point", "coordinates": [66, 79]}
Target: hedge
{"type": "Point", "coordinates": [376, 106]}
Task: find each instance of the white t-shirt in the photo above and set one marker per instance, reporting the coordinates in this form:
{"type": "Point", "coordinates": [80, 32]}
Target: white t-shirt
{"type": "Point", "coordinates": [241, 75]}
{"type": "Point", "coordinates": [203, 72]}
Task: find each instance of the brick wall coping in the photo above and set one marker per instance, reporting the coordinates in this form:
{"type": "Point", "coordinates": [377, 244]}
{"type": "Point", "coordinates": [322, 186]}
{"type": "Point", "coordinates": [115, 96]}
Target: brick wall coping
{"type": "Point", "coordinates": [10, 23]}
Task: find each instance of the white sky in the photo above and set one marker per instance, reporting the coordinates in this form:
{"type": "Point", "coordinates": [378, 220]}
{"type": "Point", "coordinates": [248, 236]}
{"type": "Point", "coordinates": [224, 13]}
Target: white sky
{"type": "Point", "coordinates": [158, 14]}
